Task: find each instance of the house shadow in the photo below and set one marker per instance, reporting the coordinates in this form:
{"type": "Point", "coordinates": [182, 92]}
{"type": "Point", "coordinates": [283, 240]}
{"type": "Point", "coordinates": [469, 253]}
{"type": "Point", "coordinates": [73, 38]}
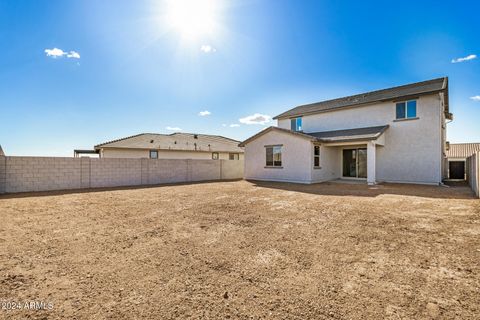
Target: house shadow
{"type": "Point", "coordinates": [104, 189]}
{"type": "Point", "coordinates": [334, 188]}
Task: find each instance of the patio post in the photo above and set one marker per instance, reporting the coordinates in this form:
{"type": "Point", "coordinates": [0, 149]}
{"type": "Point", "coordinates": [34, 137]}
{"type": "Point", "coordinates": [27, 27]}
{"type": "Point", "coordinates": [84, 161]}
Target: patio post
{"type": "Point", "coordinates": [371, 162]}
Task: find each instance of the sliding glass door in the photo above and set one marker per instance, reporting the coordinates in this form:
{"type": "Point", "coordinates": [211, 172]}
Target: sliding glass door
{"type": "Point", "coordinates": [355, 163]}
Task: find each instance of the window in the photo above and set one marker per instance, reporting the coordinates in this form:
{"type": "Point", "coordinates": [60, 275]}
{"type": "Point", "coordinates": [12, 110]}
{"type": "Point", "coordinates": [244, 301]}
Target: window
{"type": "Point", "coordinates": [153, 154]}
{"type": "Point", "coordinates": [296, 124]}
{"type": "Point", "coordinates": [215, 155]}
{"type": "Point", "coordinates": [233, 156]}
{"type": "Point", "coordinates": [274, 156]}
{"type": "Point", "coordinates": [316, 156]}
{"type": "Point", "coordinates": [407, 109]}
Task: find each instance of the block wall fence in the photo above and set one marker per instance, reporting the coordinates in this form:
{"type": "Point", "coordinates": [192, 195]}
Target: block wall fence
{"type": "Point", "coordinates": [25, 174]}
{"type": "Point", "coordinates": [473, 173]}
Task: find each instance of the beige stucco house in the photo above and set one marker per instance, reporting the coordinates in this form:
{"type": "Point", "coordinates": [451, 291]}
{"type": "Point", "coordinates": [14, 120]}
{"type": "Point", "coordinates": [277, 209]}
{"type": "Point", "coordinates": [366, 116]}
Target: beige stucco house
{"type": "Point", "coordinates": [392, 135]}
{"type": "Point", "coordinates": [169, 146]}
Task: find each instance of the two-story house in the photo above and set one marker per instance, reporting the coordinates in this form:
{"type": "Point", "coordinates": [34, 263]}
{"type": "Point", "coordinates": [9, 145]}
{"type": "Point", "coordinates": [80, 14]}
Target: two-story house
{"type": "Point", "coordinates": [391, 135]}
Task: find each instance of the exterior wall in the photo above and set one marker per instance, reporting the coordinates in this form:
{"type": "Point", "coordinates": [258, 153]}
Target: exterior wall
{"type": "Point", "coordinates": [296, 162]}
{"type": "Point", "coordinates": [3, 173]}
{"type": "Point", "coordinates": [413, 150]}
{"type": "Point", "coordinates": [162, 154]}
{"type": "Point", "coordinates": [473, 173]}
{"type": "Point", "coordinates": [330, 164]}
{"type": "Point", "coordinates": [24, 174]}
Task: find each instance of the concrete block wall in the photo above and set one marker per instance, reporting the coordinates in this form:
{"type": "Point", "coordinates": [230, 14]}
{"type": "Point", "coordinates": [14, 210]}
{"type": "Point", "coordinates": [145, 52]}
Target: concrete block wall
{"type": "Point", "coordinates": [25, 174]}
{"type": "Point", "coordinates": [41, 174]}
{"type": "Point", "coordinates": [115, 172]}
{"type": "Point", "coordinates": [3, 173]}
{"type": "Point", "coordinates": [168, 170]}
{"type": "Point", "coordinates": [231, 170]}
{"type": "Point", "coordinates": [473, 173]}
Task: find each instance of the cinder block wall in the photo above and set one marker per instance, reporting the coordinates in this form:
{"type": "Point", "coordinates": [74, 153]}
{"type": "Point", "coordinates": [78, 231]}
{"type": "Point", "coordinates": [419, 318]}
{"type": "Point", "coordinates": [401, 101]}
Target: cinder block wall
{"type": "Point", "coordinates": [25, 174]}
{"type": "Point", "coordinates": [473, 172]}
{"type": "Point", "coordinates": [3, 173]}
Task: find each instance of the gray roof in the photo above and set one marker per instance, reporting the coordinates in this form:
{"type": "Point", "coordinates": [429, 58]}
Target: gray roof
{"type": "Point", "coordinates": [409, 90]}
{"type": "Point", "coordinates": [462, 150]}
{"type": "Point", "coordinates": [264, 131]}
{"type": "Point", "coordinates": [368, 133]}
{"type": "Point", "coordinates": [175, 141]}
{"type": "Point", "coordinates": [346, 135]}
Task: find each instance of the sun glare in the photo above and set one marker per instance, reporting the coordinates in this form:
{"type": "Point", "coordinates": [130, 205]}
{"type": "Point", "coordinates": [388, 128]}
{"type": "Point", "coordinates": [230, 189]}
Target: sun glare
{"type": "Point", "coordinates": [192, 18]}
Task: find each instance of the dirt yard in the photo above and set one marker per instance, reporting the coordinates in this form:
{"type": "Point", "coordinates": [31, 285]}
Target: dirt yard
{"type": "Point", "coordinates": [243, 250]}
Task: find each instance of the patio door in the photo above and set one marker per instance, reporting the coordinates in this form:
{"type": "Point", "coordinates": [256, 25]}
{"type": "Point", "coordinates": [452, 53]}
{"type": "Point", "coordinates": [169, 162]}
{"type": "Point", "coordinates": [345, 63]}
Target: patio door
{"type": "Point", "coordinates": [355, 163]}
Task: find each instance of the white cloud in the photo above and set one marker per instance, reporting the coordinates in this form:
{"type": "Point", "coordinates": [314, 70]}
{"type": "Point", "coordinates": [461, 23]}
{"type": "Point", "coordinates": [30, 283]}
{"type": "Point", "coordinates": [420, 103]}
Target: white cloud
{"type": "Point", "coordinates": [204, 113]}
{"type": "Point", "coordinates": [224, 125]}
{"type": "Point", "coordinates": [475, 98]}
{"type": "Point", "coordinates": [58, 53]}
{"type": "Point", "coordinates": [54, 53]}
{"type": "Point", "coordinates": [234, 125]}
{"type": "Point", "coordinates": [173, 129]}
{"type": "Point", "coordinates": [73, 54]}
{"type": "Point", "coordinates": [256, 118]}
{"type": "Point", "coordinates": [206, 48]}
{"type": "Point", "coordinates": [469, 57]}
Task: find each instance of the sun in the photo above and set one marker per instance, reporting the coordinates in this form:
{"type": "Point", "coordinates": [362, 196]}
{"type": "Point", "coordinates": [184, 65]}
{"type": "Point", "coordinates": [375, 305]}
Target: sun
{"type": "Point", "coordinates": [193, 18]}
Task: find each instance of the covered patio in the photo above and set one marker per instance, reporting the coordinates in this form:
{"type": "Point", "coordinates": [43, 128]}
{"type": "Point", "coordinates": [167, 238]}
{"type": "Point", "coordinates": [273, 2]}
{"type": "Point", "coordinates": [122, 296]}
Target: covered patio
{"type": "Point", "coordinates": [356, 149]}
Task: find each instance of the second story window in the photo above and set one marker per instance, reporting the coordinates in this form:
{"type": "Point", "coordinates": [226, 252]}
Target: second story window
{"type": "Point", "coordinates": [153, 154]}
{"type": "Point", "coordinates": [296, 124]}
{"type": "Point", "coordinates": [214, 155]}
{"type": "Point", "coordinates": [407, 109]}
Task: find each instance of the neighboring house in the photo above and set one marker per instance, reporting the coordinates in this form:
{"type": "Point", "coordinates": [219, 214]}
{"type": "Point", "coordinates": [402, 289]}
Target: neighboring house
{"type": "Point", "coordinates": [169, 146]}
{"type": "Point", "coordinates": [457, 154]}
{"type": "Point", "coordinates": [392, 135]}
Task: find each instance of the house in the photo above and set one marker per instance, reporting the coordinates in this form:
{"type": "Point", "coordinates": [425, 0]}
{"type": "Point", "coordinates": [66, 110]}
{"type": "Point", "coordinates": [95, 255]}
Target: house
{"type": "Point", "coordinates": [457, 155]}
{"type": "Point", "coordinates": [169, 146]}
{"type": "Point", "coordinates": [1, 152]}
{"type": "Point", "coordinates": [392, 135]}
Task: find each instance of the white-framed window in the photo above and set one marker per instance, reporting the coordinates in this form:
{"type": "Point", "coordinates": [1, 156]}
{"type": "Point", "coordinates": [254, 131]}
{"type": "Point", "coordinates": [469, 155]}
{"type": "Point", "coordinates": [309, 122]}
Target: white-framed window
{"type": "Point", "coordinates": [296, 124]}
{"type": "Point", "coordinates": [215, 155]}
{"type": "Point", "coordinates": [316, 156]}
{"type": "Point", "coordinates": [153, 154]}
{"type": "Point", "coordinates": [233, 156]}
{"type": "Point", "coordinates": [273, 156]}
{"type": "Point", "coordinates": [406, 109]}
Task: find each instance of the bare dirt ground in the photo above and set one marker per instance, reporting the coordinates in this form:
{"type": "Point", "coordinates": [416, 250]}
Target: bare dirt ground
{"type": "Point", "coordinates": [243, 250]}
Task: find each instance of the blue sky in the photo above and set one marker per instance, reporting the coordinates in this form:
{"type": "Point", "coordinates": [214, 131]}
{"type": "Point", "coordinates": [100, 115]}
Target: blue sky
{"type": "Point", "coordinates": [126, 67]}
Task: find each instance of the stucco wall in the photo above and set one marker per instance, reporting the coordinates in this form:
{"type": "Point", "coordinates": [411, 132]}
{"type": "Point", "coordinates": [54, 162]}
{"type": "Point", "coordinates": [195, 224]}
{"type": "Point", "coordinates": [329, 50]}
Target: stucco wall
{"type": "Point", "coordinates": [296, 162]}
{"type": "Point", "coordinates": [162, 154]}
{"type": "Point", "coordinates": [23, 174]}
{"type": "Point", "coordinates": [330, 164]}
{"type": "Point", "coordinates": [413, 150]}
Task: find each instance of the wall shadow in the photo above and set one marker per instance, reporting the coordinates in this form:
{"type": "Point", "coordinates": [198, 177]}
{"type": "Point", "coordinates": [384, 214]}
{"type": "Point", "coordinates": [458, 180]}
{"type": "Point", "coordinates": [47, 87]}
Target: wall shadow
{"type": "Point", "coordinates": [457, 191]}
{"type": "Point", "coordinates": [95, 190]}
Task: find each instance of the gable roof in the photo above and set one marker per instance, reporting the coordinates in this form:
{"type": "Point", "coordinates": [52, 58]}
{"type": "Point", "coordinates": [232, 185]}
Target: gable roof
{"type": "Point", "coordinates": [1, 151]}
{"type": "Point", "coordinates": [462, 150]}
{"type": "Point", "coordinates": [345, 135]}
{"type": "Point", "coordinates": [176, 141]}
{"type": "Point", "coordinates": [409, 90]}
{"type": "Point", "coordinates": [267, 130]}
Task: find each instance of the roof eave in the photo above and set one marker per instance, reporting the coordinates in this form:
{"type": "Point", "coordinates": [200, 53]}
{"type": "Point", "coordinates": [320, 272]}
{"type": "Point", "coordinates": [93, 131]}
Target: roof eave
{"type": "Point", "coordinates": [265, 131]}
{"type": "Point", "coordinates": [444, 88]}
